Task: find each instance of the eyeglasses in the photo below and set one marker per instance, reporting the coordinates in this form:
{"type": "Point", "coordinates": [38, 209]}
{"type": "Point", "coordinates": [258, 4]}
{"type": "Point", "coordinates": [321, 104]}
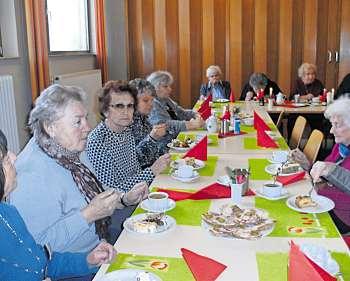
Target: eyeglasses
{"type": "Point", "coordinates": [120, 106]}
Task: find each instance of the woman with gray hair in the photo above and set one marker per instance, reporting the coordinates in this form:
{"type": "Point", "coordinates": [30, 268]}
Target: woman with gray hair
{"type": "Point", "coordinates": [215, 86]}
{"type": "Point", "coordinates": [148, 147]}
{"type": "Point", "coordinates": [307, 86]}
{"type": "Point", "coordinates": [165, 110]}
{"type": "Point", "coordinates": [70, 209]}
{"type": "Point", "coordinates": [338, 115]}
{"type": "Point", "coordinates": [259, 81]}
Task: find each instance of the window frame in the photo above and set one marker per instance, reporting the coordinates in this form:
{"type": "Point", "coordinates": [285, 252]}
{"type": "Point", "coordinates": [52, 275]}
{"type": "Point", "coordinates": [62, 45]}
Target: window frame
{"type": "Point", "coordinates": [1, 48]}
{"type": "Point", "coordinates": [57, 53]}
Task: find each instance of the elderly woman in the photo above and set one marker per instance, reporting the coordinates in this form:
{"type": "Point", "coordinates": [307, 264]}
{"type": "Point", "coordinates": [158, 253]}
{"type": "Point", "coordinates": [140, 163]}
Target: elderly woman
{"type": "Point", "coordinates": [258, 82]}
{"type": "Point", "coordinates": [148, 147]}
{"type": "Point", "coordinates": [111, 146]}
{"type": "Point", "coordinates": [338, 115]}
{"type": "Point", "coordinates": [215, 86]}
{"type": "Point", "coordinates": [165, 110]}
{"type": "Point", "coordinates": [23, 259]}
{"type": "Point", "coordinates": [59, 198]}
{"type": "Point", "coordinates": [307, 86]}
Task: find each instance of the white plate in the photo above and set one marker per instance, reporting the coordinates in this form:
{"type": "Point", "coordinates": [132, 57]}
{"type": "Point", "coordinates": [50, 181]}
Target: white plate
{"type": "Point", "coordinates": [272, 135]}
{"type": "Point", "coordinates": [199, 164]}
{"type": "Point", "coordinates": [260, 193]}
{"type": "Point", "coordinates": [180, 149]}
{"type": "Point", "coordinates": [145, 205]}
{"type": "Point", "coordinates": [128, 275]}
{"type": "Point", "coordinates": [324, 204]}
{"type": "Point", "coordinates": [221, 100]}
{"type": "Point", "coordinates": [224, 180]}
{"type": "Point", "coordinates": [300, 104]}
{"type": "Point", "coordinates": [195, 177]}
{"type": "Point", "coordinates": [169, 223]}
{"type": "Point", "coordinates": [272, 170]}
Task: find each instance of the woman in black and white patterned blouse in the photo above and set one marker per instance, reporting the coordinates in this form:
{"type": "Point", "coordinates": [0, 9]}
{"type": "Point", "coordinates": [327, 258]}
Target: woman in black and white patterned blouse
{"type": "Point", "coordinates": [111, 146]}
{"type": "Point", "coordinates": [148, 147]}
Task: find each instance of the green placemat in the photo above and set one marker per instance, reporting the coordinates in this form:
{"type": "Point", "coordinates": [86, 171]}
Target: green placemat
{"type": "Point", "coordinates": [290, 223]}
{"type": "Point", "coordinates": [186, 212]}
{"type": "Point", "coordinates": [212, 137]}
{"type": "Point", "coordinates": [273, 266]}
{"type": "Point", "coordinates": [250, 143]}
{"type": "Point", "coordinates": [168, 269]}
{"type": "Point", "coordinates": [257, 169]}
{"type": "Point", "coordinates": [248, 129]}
{"type": "Point", "coordinates": [207, 171]}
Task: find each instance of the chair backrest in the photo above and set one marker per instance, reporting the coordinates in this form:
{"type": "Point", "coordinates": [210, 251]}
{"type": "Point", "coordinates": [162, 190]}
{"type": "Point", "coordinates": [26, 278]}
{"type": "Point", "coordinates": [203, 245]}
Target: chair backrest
{"type": "Point", "coordinates": [313, 145]}
{"type": "Point", "coordinates": [280, 118]}
{"type": "Point", "coordinates": [297, 132]}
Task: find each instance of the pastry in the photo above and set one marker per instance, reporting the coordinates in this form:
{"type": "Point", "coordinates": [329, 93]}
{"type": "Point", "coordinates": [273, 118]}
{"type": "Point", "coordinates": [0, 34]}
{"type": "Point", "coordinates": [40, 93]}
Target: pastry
{"type": "Point", "coordinates": [290, 168]}
{"type": "Point", "coordinates": [304, 201]}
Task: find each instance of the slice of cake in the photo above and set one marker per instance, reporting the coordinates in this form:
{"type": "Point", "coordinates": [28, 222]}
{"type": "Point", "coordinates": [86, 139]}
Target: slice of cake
{"type": "Point", "coordinates": [290, 168]}
{"type": "Point", "coordinates": [304, 202]}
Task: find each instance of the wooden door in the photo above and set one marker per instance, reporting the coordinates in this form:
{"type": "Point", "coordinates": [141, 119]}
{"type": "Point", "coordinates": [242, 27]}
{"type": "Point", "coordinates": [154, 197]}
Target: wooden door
{"type": "Point", "coordinates": [344, 48]}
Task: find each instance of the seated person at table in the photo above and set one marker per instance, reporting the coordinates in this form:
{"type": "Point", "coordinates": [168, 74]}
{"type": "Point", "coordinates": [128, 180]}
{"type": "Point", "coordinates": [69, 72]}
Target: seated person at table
{"type": "Point", "coordinates": [344, 87]}
{"type": "Point", "coordinates": [20, 257]}
{"type": "Point", "coordinates": [338, 114]}
{"type": "Point", "coordinates": [218, 88]}
{"type": "Point", "coordinates": [59, 198]}
{"type": "Point", "coordinates": [165, 110]}
{"type": "Point", "coordinates": [111, 146]}
{"type": "Point", "coordinates": [148, 147]}
{"type": "Point", "coordinates": [257, 82]}
{"type": "Point", "coordinates": [307, 86]}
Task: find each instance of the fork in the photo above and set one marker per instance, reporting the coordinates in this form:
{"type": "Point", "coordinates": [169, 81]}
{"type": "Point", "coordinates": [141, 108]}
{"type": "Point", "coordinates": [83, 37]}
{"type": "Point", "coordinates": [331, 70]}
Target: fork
{"type": "Point", "coordinates": [313, 186]}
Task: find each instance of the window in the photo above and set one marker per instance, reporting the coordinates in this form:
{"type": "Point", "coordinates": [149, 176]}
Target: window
{"type": "Point", "coordinates": [68, 25]}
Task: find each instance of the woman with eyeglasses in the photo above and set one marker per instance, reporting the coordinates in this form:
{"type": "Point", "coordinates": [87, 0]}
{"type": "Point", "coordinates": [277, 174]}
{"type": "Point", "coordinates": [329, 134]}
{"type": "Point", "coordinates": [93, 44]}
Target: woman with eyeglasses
{"type": "Point", "coordinates": [219, 89]}
{"type": "Point", "coordinates": [111, 145]}
{"type": "Point", "coordinates": [21, 258]}
{"type": "Point", "coordinates": [338, 186]}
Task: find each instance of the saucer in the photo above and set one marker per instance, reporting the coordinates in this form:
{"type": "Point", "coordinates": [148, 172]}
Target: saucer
{"type": "Point", "coordinates": [145, 206]}
{"type": "Point", "coordinates": [260, 193]}
{"type": "Point", "coordinates": [194, 177]}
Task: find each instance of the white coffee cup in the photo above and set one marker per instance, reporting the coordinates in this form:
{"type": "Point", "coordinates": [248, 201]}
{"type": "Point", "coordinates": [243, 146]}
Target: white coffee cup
{"type": "Point", "coordinates": [280, 156]}
{"type": "Point", "coordinates": [185, 171]}
{"type": "Point", "coordinates": [158, 201]}
{"type": "Point", "coordinates": [272, 189]}
{"type": "Point", "coordinates": [296, 98]}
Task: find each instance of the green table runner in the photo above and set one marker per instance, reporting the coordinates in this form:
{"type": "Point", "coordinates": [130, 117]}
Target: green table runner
{"type": "Point", "coordinates": [168, 269]}
{"type": "Point", "coordinates": [251, 144]}
{"type": "Point", "coordinates": [273, 266]}
{"type": "Point", "coordinates": [257, 169]}
{"type": "Point", "coordinates": [213, 137]}
{"type": "Point", "coordinates": [207, 171]}
{"type": "Point", "coordinates": [186, 212]}
{"type": "Point", "coordinates": [290, 223]}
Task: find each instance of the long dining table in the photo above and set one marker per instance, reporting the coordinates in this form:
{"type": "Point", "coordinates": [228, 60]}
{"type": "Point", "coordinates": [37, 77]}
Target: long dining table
{"type": "Point", "coordinates": [263, 259]}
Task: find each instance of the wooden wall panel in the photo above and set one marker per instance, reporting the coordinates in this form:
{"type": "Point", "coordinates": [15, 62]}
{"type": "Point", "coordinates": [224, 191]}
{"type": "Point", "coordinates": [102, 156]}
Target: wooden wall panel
{"type": "Point", "coordinates": [241, 36]}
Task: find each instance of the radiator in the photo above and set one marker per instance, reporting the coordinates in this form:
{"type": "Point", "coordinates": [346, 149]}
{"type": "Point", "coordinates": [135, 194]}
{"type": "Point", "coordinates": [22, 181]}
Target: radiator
{"type": "Point", "coordinates": [91, 82]}
{"type": "Point", "coordinates": [8, 119]}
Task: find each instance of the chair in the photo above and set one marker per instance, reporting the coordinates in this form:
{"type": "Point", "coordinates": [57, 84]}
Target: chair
{"type": "Point", "coordinates": [297, 132]}
{"type": "Point", "coordinates": [313, 145]}
{"type": "Point", "coordinates": [282, 121]}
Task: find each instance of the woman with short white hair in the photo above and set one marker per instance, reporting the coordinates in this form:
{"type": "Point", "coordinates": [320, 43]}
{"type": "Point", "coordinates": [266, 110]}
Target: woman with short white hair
{"type": "Point", "coordinates": [307, 86]}
{"type": "Point", "coordinates": [218, 88]}
{"type": "Point", "coordinates": [338, 115]}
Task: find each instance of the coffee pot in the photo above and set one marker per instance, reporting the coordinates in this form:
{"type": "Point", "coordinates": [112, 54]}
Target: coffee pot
{"type": "Point", "coordinates": [212, 124]}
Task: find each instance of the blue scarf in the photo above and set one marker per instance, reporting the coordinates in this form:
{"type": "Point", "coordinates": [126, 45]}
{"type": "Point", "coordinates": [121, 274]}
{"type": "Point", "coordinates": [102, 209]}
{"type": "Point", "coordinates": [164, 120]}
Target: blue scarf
{"type": "Point", "coordinates": [344, 150]}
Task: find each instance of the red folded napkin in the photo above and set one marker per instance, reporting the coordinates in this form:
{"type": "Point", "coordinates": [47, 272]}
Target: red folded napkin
{"type": "Point", "coordinates": [205, 105]}
{"type": "Point", "coordinates": [285, 180]}
{"type": "Point", "coordinates": [230, 134]}
{"type": "Point", "coordinates": [199, 151]}
{"type": "Point", "coordinates": [232, 96]}
{"type": "Point", "coordinates": [213, 191]}
{"type": "Point", "coordinates": [202, 267]}
{"type": "Point", "coordinates": [264, 140]}
{"type": "Point", "coordinates": [347, 240]}
{"type": "Point", "coordinates": [259, 123]}
{"type": "Point", "coordinates": [205, 114]}
{"type": "Point", "coordinates": [302, 268]}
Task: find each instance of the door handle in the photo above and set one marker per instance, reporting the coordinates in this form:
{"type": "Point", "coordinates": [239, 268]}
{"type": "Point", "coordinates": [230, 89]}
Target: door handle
{"type": "Point", "coordinates": [329, 56]}
{"type": "Point", "coordinates": [336, 56]}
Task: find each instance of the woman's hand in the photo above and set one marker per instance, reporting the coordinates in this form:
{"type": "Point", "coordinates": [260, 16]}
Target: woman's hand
{"type": "Point", "coordinates": [158, 131]}
{"type": "Point", "coordinates": [194, 124]}
{"type": "Point", "coordinates": [320, 169]}
{"type": "Point", "coordinates": [160, 164]}
{"type": "Point", "coordinates": [249, 96]}
{"type": "Point", "coordinates": [299, 157]}
{"type": "Point", "coordinates": [136, 194]}
{"type": "Point", "coordinates": [101, 206]}
{"type": "Point", "coordinates": [103, 253]}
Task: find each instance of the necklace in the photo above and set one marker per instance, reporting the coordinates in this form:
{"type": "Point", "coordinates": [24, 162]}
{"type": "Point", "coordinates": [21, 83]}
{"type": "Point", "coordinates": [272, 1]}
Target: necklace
{"type": "Point", "coordinates": [29, 250]}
